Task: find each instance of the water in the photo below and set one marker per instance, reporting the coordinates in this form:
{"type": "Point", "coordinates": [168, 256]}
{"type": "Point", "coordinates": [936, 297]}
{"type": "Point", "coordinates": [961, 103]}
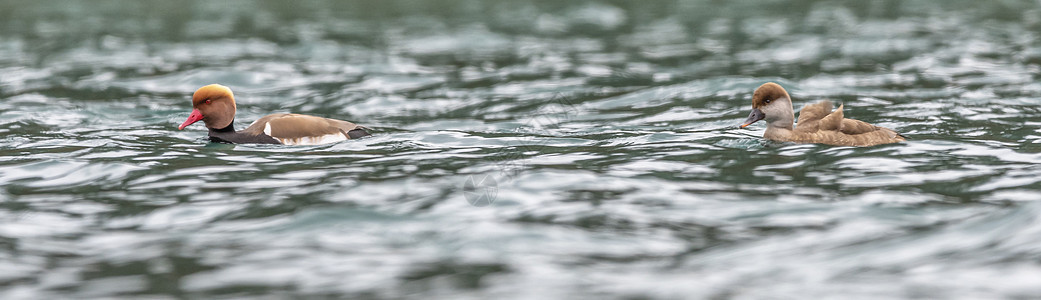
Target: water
{"type": "Point", "coordinates": [522, 149]}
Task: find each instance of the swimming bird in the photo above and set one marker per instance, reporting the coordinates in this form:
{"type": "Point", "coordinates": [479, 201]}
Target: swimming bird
{"type": "Point", "coordinates": [215, 105]}
{"type": "Point", "coordinates": [817, 122]}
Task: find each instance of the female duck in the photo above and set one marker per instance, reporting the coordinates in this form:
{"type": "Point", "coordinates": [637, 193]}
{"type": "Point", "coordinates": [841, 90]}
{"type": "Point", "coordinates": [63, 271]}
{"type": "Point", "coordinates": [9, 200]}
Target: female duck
{"type": "Point", "coordinates": [817, 122]}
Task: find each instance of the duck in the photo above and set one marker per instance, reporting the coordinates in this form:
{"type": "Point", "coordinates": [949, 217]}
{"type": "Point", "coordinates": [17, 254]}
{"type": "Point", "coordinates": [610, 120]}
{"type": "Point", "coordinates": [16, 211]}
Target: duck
{"type": "Point", "coordinates": [818, 123]}
{"type": "Point", "coordinates": [214, 105]}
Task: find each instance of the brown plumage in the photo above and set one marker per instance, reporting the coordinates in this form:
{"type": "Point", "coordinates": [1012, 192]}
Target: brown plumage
{"type": "Point", "coordinates": [215, 105]}
{"type": "Point", "coordinates": [818, 123]}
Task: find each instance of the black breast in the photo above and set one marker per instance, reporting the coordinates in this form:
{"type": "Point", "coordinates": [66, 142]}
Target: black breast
{"type": "Point", "coordinates": [228, 135]}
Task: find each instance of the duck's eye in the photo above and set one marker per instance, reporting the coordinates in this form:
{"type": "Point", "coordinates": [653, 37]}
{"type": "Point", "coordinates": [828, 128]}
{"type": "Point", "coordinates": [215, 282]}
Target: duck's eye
{"type": "Point", "coordinates": [208, 101]}
{"type": "Point", "coordinates": [767, 101]}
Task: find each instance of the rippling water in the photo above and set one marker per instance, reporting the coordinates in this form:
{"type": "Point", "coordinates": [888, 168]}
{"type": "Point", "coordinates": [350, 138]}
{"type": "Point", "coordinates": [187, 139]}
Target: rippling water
{"type": "Point", "coordinates": [522, 149]}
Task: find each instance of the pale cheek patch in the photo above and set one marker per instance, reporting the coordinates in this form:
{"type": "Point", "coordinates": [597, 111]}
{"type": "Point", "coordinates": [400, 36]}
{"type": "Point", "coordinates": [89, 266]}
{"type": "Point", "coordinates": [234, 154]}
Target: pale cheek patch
{"type": "Point", "coordinates": [310, 140]}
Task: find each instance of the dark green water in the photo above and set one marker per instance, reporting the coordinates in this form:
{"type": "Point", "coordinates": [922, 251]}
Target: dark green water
{"type": "Point", "coordinates": [599, 137]}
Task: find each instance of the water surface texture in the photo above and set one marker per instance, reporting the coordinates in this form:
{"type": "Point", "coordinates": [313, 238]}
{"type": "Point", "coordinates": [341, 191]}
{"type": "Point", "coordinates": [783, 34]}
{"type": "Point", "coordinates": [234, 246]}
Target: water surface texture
{"type": "Point", "coordinates": [522, 149]}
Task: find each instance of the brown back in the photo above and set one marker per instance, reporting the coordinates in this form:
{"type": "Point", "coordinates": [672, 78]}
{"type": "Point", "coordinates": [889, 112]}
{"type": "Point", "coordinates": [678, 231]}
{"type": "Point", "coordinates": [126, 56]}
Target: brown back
{"type": "Point", "coordinates": [811, 114]}
{"type": "Point", "coordinates": [292, 126]}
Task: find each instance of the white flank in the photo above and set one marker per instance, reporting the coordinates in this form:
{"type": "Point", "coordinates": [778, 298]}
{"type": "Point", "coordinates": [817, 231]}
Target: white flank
{"type": "Point", "coordinates": [311, 140]}
{"type": "Point", "coordinates": [267, 128]}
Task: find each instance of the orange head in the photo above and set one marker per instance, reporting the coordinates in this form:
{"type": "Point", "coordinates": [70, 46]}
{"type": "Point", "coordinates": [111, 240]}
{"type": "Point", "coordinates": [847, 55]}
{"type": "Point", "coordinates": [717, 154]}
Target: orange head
{"type": "Point", "coordinates": [213, 104]}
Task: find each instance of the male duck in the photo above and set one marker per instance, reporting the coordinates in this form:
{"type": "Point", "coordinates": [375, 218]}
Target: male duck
{"type": "Point", "coordinates": [215, 105]}
{"type": "Point", "coordinates": [817, 122]}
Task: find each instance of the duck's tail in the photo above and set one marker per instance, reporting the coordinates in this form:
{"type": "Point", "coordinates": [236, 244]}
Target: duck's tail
{"type": "Point", "coordinates": [358, 132]}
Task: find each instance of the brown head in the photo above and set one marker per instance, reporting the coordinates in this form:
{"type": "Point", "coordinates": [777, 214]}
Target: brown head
{"type": "Point", "coordinates": [771, 102]}
{"type": "Point", "coordinates": [213, 104]}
